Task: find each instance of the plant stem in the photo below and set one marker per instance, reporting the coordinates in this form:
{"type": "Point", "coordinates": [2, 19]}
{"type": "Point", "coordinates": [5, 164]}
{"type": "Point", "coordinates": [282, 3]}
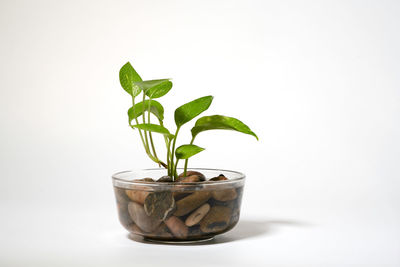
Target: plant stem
{"type": "Point", "coordinates": [186, 160]}
{"type": "Point", "coordinates": [173, 151]}
{"type": "Point", "coordinates": [176, 164]}
{"type": "Point", "coordinates": [150, 135]}
{"type": "Point", "coordinates": [168, 160]}
{"type": "Point", "coordinates": [152, 145]}
{"type": "Point", "coordinates": [145, 132]}
{"type": "Point", "coordinates": [167, 145]}
{"type": "Point", "coordinates": [140, 132]}
{"type": "Point", "coordinates": [146, 148]}
{"type": "Point", "coordinates": [156, 160]}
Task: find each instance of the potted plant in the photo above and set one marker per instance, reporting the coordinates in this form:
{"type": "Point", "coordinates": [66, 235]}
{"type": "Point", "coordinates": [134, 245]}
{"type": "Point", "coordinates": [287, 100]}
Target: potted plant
{"type": "Point", "coordinates": [169, 203]}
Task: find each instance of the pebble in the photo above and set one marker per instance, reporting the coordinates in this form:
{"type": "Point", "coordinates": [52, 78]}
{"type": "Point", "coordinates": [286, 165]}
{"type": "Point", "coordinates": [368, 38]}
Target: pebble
{"type": "Point", "coordinates": [162, 231]}
{"type": "Point", "coordinates": [159, 205]}
{"type": "Point", "coordinates": [140, 218]}
{"type": "Point", "coordinates": [217, 219]}
{"type": "Point", "coordinates": [145, 179]}
{"type": "Point", "coordinates": [191, 173]}
{"type": "Point", "coordinates": [225, 194]}
{"type": "Point", "coordinates": [123, 215]}
{"type": "Point", "coordinates": [121, 196]}
{"type": "Point", "coordinates": [178, 195]}
{"type": "Point", "coordinates": [138, 196]}
{"type": "Point", "coordinates": [195, 232]}
{"type": "Point", "coordinates": [191, 202]}
{"type": "Point", "coordinates": [133, 228]}
{"type": "Point", "coordinates": [235, 215]}
{"type": "Point", "coordinates": [190, 179]}
{"type": "Point", "coordinates": [221, 177]}
{"type": "Point", "coordinates": [177, 227]}
{"type": "Point", "coordinates": [196, 216]}
{"type": "Point", "coordinates": [165, 179]}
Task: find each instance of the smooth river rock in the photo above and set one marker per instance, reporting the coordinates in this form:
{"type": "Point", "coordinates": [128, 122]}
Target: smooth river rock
{"type": "Point", "coordinates": [191, 202]}
{"type": "Point", "coordinates": [196, 216]}
{"type": "Point", "coordinates": [177, 227]}
{"type": "Point", "coordinates": [217, 219]}
{"type": "Point", "coordinates": [220, 177]}
{"type": "Point", "coordinates": [136, 195]}
{"type": "Point", "coordinates": [190, 179]}
{"type": "Point", "coordinates": [140, 218]}
{"type": "Point", "coordinates": [162, 231]}
{"type": "Point", "coordinates": [159, 205]}
{"type": "Point", "coordinates": [200, 178]}
{"type": "Point", "coordinates": [120, 195]}
{"type": "Point", "coordinates": [225, 194]}
{"type": "Point", "coordinates": [165, 179]}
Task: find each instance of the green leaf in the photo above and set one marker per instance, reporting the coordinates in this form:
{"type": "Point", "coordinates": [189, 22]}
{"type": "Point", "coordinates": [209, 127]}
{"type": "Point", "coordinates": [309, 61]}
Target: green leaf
{"type": "Point", "coordinates": [222, 123]}
{"type": "Point", "coordinates": [155, 88]}
{"type": "Point", "coordinates": [186, 151]}
{"type": "Point", "coordinates": [127, 77]}
{"type": "Point", "coordinates": [155, 108]}
{"type": "Point", "coordinates": [153, 128]}
{"type": "Point", "coordinates": [190, 110]}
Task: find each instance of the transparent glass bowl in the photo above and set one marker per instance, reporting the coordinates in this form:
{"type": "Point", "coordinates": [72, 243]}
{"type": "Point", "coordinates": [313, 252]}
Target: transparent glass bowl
{"type": "Point", "coordinates": [178, 211]}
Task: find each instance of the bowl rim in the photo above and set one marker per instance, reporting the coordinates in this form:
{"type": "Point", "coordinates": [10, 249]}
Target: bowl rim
{"type": "Point", "coordinates": [155, 183]}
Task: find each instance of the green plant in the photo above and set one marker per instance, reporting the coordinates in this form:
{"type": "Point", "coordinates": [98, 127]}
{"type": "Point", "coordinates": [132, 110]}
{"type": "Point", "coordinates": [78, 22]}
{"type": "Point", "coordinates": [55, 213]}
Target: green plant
{"type": "Point", "coordinates": [133, 84]}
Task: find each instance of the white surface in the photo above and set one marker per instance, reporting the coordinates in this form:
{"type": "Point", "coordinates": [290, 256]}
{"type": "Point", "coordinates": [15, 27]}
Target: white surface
{"type": "Point", "coordinates": [318, 81]}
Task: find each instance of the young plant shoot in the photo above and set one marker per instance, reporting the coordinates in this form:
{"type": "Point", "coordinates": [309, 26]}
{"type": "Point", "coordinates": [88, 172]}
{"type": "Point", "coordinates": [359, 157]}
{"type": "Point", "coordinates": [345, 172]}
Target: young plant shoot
{"type": "Point", "coordinates": [140, 119]}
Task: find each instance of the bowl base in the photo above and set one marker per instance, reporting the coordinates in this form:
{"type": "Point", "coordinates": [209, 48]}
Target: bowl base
{"type": "Point", "coordinates": [177, 242]}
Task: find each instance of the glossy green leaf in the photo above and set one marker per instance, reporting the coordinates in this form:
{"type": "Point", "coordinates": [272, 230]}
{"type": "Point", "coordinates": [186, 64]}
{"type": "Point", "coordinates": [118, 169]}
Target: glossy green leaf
{"type": "Point", "coordinates": [219, 122]}
{"type": "Point", "coordinates": [127, 77]}
{"type": "Point", "coordinates": [155, 108]}
{"type": "Point", "coordinates": [186, 151]}
{"type": "Point", "coordinates": [153, 128]}
{"type": "Point", "coordinates": [155, 88]}
{"type": "Point", "coordinates": [190, 110]}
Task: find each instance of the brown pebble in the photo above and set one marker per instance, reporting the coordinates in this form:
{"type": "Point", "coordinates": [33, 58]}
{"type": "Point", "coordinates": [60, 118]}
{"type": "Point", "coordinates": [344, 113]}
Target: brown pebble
{"type": "Point", "coordinates": [165, 179]}
{"type": "Point", "coordinates": [190, 179]}
{"type": "Point", "coordinates": [145, 179]}
{"type": "Point", "coordinates": [221, 177]}
{"type": "Point", "coordinates": [140, 218]}
{"type": "Point", "coordinates": [191, 202]}
{"type": "Point", "coordinates": [225, 194]}
{"type": "Point", "coordinates": [190, 173]}
{"type": "Point", "coordinates": [196, 216]}
{"type": "Point", "coordinates": [133, 228]}
{"type": "Point", "coordinates": [137, 195]}
{"type": "Point", "coordinates": [178, 195]}
{"type": "Point", "coordinates": [217, 219]}
{"type": "Point", "coordinates": [162, 231]}
{"type": "Point", "coordinates": [177, 227]}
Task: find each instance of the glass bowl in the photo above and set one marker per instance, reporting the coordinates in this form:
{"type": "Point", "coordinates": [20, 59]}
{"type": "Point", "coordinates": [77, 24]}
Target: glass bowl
{"type": "Point", "coordinates": [178, 211]}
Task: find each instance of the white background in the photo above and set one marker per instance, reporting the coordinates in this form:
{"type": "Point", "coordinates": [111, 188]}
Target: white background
{"type": "Point", "coordinates": [318, 81]}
